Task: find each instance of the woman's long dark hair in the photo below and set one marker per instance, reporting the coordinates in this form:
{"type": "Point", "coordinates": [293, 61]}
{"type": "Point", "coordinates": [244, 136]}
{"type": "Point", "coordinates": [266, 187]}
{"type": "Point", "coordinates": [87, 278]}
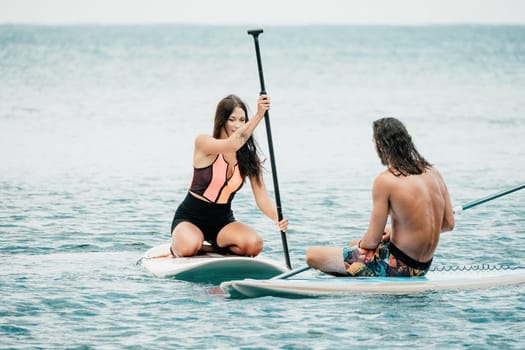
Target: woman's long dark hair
{"type": "Point", "coordinates": [395, 148]}
{"type": "Point", "coordinates": [247, 157]}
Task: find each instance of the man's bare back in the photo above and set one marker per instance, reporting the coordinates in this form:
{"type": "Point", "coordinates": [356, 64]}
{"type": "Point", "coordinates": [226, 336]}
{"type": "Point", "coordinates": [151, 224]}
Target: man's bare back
{"type": "Point", "coordinates": [413, 194]}
{"type": "Point", "coordinates": [418, 212]}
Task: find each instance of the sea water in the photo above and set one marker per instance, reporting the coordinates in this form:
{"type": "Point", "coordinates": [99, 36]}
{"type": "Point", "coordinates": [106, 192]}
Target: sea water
{"type": "Point", "coordinates": [97, 125]}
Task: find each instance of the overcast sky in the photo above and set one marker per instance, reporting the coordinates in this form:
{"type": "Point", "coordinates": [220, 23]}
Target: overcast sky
{"type": "Point", "coordinates": [263, 12]}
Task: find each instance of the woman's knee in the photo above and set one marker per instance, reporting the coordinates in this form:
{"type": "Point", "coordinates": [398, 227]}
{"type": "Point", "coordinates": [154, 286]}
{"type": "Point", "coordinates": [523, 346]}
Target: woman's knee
{"type": "Point", "coordinates": [240, 239]}
{"type": "Point", "coordinates": [249, 246]}
{"type": "Point", "coordinates": [253, 246]}
{"type": "Point", "coordinates": [185, 250]}
{"type": "Point", "coordinates": [186, 240]}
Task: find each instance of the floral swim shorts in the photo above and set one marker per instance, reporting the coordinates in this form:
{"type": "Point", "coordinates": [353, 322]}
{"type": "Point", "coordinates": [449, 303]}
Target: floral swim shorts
{"type": "Point", "coordinates": [384, 261]}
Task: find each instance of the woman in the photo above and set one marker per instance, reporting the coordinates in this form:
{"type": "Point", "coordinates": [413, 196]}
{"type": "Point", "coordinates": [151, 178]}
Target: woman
{"type": "Point", "coordinates": [221, 164]}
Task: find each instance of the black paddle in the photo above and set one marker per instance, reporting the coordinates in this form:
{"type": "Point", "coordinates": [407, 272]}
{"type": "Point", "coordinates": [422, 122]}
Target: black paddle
{"type": "Point", "coordinates": [255, 33]}
{"type": "Point", "coordinates": [457, 210]}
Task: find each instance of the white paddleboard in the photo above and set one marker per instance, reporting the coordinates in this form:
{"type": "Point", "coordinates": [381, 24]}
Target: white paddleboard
{"type": "Point", "coordinates": [322, 286]}
{"type": "Point", "coordinates": [208, 267]}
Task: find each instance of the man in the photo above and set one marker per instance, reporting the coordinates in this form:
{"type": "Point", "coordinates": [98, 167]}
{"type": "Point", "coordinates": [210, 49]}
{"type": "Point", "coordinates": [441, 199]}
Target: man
{"type": "Point", "coordinates": [412, 192]}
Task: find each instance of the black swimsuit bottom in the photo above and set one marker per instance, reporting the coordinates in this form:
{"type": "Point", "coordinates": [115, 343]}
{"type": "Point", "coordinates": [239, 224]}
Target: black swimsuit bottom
{"type": "Point", "coordinates": [210, 218]}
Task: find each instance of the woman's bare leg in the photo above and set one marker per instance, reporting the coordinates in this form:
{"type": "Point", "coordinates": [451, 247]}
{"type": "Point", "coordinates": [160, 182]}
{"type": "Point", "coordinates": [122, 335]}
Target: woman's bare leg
{"type": "Point", "coordinates": [240, 239]}
{"type": "Point", "coordinates": [186, 239]}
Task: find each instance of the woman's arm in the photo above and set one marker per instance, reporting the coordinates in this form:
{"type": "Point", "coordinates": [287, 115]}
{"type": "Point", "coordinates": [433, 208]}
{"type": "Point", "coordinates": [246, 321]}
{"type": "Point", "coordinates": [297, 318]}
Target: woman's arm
{"type": "Point", "coordinates": [207, 144]}
{"type": "Point", "coordinates": [265, 203]}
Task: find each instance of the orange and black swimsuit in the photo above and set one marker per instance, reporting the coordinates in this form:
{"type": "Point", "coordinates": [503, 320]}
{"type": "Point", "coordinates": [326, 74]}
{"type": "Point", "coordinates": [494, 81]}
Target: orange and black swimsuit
{"type": "Point", "coordinates": [213, 184]}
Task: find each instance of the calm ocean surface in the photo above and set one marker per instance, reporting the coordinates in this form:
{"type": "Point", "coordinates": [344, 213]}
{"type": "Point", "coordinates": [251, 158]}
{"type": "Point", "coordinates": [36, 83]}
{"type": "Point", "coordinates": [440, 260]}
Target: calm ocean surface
{"type": "Point", "coordinates": [96, 134]}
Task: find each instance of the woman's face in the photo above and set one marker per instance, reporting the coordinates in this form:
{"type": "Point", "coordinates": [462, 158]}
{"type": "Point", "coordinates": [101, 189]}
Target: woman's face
{"type": "Point", "coordinates": [235, 121]}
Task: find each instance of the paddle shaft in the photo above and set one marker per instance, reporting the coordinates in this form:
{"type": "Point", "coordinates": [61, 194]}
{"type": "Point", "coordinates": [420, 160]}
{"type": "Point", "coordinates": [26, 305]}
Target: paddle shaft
{"type": "Point", "coordinates": [255, 33]}
{"type": "Point", "coordinates": [291, 273]}
{"type": "Point", "coordinates": [457, 210]}
{"type": "Point", "coordinates": [472, 204]}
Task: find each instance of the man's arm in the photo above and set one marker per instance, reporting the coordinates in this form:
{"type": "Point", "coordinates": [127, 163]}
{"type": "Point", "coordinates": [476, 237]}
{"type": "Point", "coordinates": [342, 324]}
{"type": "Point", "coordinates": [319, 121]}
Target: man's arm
{"type": "Point", "coordinates": [379, 216]}
{"type": "Point", "coordinates": [448, 215]}
{"type": "Point", "coordinates": [448, 219]}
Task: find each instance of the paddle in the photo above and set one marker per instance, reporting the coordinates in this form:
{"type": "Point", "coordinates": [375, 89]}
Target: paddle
{"type": "Point", "coordinates": [457, 210]}
{"type": "Point", "coordinates": [460, 208]}
{"type": "Point", "coordinates": [255, 33]}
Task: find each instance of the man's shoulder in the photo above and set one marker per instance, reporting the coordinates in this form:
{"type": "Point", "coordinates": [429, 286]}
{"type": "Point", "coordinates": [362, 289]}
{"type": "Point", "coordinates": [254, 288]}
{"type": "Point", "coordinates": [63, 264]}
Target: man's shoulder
{"type": "Point", "coordinates": [381, 175]}
{"type": "Point", "coordinates": [389, 175]}
{"type": "Point", "coordinates": [384, 179]}
{"type": "Point", "coordinates": [388, 178]}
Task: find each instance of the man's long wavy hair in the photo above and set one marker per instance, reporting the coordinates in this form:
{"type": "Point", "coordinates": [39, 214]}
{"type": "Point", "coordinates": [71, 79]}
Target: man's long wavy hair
{"type": "Point", "coordinates": [247, 155]}
{"type": "Point", "coordinates": [396, 150]}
